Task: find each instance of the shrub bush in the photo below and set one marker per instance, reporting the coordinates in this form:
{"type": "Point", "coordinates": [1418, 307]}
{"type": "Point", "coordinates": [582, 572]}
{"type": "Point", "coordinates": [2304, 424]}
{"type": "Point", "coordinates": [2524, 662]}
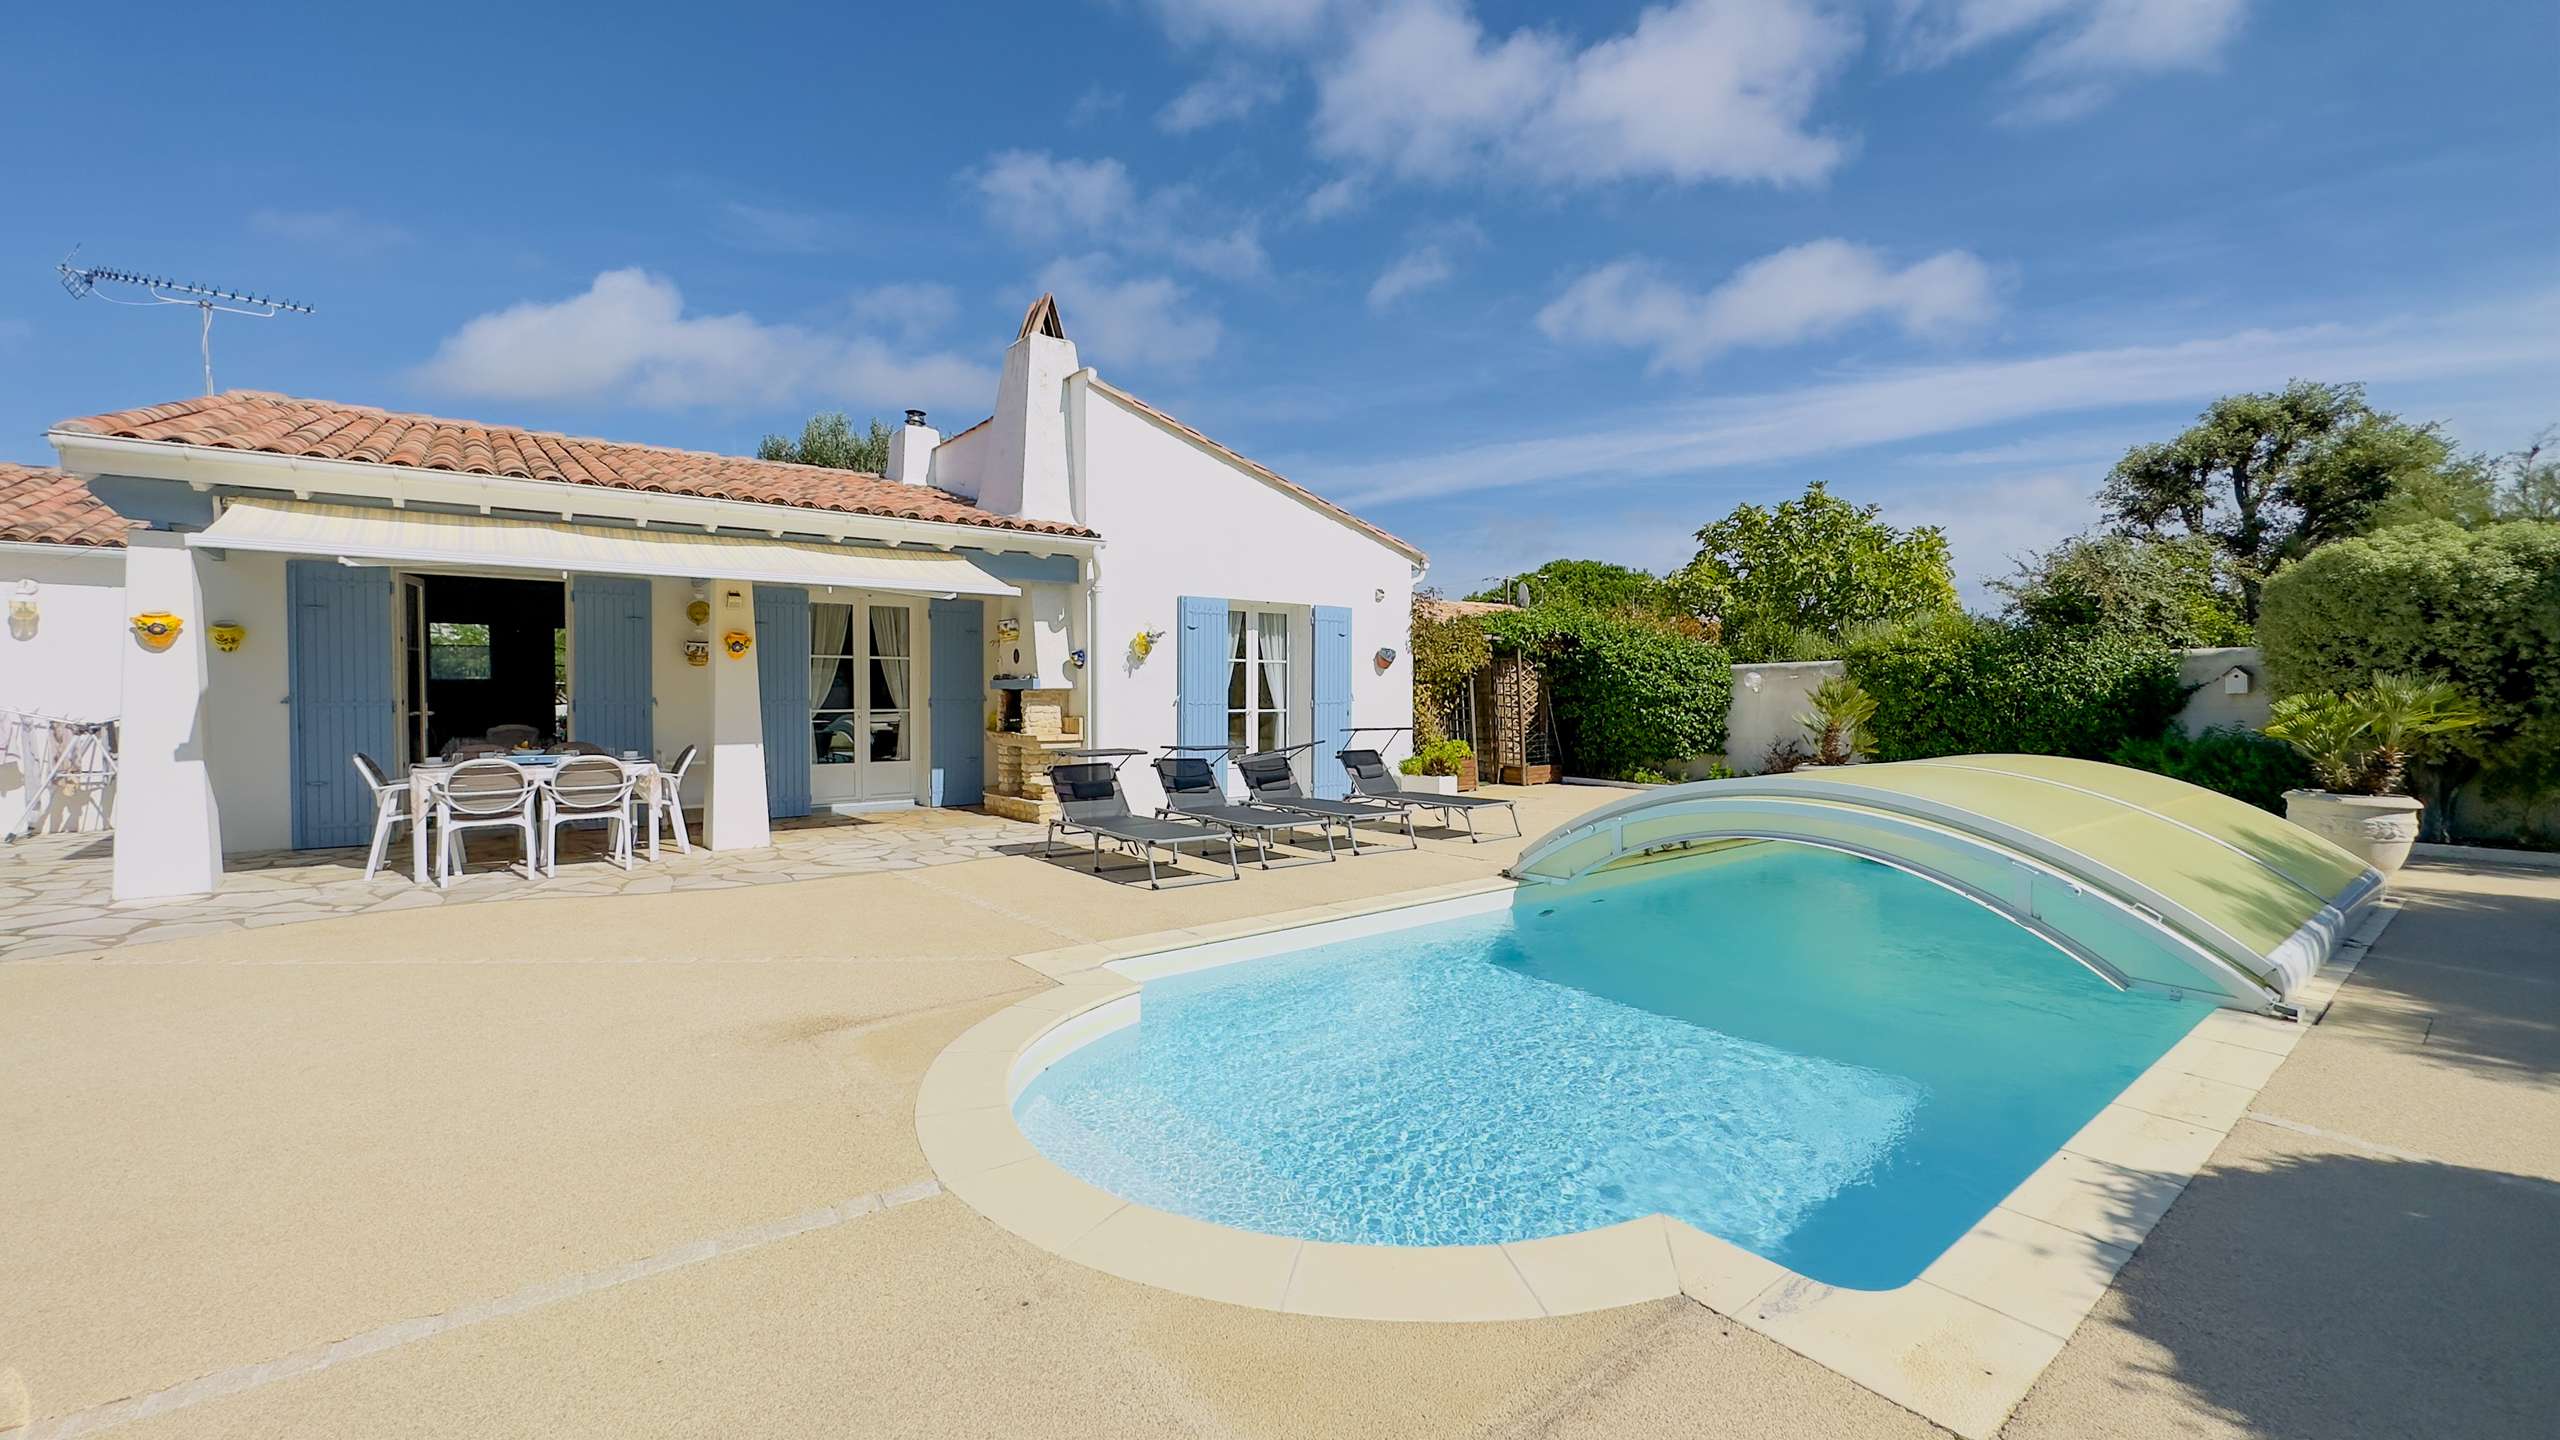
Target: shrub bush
{"type": "Point", "coordinates": [2479, 609]}
{"type": "Point", "coordinates": [2242, 764]}
{"type": "Point", "coordinates": [1964, 685]}
{"type": "Point", "coordinates": [1438, 757]}
{"type": "Point", "coordinates": [1630, 691]}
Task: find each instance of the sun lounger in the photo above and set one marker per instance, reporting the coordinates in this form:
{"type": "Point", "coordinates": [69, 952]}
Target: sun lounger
{"type": "Point", "coordinates": [1090, 803]}
{"type": "Point", "coordinates": [1192, 791]}
{"type": "Point", "coordinates": [1270, 781]}
{"type": "Point", "coordinates": [1372, 780]}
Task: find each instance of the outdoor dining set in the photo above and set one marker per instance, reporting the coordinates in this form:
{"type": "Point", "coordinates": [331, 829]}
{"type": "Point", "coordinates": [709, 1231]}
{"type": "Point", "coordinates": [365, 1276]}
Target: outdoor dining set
{"type": "Point", "coordinates": [506, 783]}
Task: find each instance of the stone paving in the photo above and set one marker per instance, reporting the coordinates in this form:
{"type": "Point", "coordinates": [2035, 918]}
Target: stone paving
{"type": "Point", "coordinates": [55, 890]}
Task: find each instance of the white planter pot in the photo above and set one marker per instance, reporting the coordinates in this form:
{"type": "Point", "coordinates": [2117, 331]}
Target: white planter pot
{"type": "Point", "coordinates": [2377, 829]}
{"type": "Point", "coordinates": [1431, 784]}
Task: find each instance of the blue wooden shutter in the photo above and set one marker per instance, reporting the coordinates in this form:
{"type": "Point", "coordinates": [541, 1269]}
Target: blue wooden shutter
{"type": "Point", "coordinates": [1200, 678]}
{"type": "Point", "coordinates": [959, 702]}
{"type": "Point", "coordinates": [339, 677]}
{"type": "Point", "coordinates": [610, 702]}
{"type": "Point", "coordinates": [782, 689]}
{"type": "Point", "coordinates": [1332, 676]}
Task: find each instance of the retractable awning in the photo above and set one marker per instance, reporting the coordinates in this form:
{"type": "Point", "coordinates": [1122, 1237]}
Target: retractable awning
{"type": "Point", "coordinates": [429, 539]}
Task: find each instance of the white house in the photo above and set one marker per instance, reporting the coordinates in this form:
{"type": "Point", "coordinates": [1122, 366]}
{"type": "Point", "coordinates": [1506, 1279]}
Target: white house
{"type": "Point", "coordinates": [342, 579]}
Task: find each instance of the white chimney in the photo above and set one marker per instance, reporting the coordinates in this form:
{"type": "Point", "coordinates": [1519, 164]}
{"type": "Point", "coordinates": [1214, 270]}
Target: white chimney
{"type": "Point", "coordinates": [1026, 466]}
{"type": "Point", "coordinates": [911, 450]}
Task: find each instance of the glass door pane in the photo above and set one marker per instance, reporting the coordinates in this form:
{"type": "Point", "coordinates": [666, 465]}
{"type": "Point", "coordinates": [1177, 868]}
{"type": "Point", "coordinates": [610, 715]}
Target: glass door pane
{"type": "Point", "coordinates": [890, 695]}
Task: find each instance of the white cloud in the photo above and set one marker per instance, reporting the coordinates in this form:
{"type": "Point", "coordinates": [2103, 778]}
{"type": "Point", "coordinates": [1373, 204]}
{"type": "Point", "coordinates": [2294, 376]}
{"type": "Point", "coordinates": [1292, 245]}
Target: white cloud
{"type": "Point", "coordinates": [1796, 294]}
{"type": "Point", "coordinates": [1416, 270]}
{"type": "Point", "coordinates": [1860, 411]}
{"type": "Point", "coordinates": [1254, 22]}
{"type": "Point", "coordinates": [1046, 200]}
{"type": "Point", "coordinates": [342, 230]}
{"type": "Point", "coordinates": [628, 341]}
{"type": "Point", "coordinates": [1339, 196]}
{"type": "Point", "coordinates": [908, 310]}
{"type": "Point", "coordinates": [1993, 524]}
{"type": "Point", "coordinates": [1137, 320]}
{"type": "Point", "coordinates": [2081, 51]}
{"type": "Point", "coordinates": [1230, 93]}
{"type": "Point", "coordinates": [1698, 90]}
{"type": "Point", "coordinates": [1096, 103]}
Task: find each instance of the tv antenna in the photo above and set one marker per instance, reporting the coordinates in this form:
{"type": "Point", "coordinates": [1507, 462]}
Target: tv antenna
{"type": "Point", "coordinates": [84, 280]}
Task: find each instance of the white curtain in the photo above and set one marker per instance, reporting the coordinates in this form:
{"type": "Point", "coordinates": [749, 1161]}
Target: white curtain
{"type": "Point", "coordinates": [830, 641]}
{"type": "Point", "coordinates": [889, 646]}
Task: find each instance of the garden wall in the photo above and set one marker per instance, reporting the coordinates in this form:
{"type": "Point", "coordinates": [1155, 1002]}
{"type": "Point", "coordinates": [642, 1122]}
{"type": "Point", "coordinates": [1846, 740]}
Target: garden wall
{"type": "Point", "coordinates": [2209, 707]}
{"type": "Point", "coordinates": [1766, 701]}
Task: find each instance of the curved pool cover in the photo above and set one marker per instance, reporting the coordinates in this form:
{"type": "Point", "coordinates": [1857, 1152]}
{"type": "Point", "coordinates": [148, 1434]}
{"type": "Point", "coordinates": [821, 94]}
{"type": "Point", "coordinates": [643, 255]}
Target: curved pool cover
{"type": "Point", "coordinates": [2149, 882]}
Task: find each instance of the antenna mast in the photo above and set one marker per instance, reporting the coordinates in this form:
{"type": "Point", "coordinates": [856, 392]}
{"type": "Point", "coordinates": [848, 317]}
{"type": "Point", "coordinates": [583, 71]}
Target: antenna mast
{"type": "Point", "coordinates": [83, 280]}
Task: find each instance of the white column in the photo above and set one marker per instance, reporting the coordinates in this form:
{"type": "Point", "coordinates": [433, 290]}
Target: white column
{"type": "Point", "coordinates": [168, 833]}
{"type": "Point", "coordinates": [733, 812]}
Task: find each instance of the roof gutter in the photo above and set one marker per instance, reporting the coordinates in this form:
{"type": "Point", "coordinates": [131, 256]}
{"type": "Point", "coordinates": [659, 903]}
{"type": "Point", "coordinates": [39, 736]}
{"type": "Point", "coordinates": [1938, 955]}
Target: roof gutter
{"type": "Point", "coordinates": [205, 468]}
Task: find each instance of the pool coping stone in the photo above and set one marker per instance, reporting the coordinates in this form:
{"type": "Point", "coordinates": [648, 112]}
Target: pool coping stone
{"type": "Point", "coordinates": [1959, 1345]}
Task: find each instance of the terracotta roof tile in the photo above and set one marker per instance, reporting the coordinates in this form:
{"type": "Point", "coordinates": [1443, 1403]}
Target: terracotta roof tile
{"type": "Point", "coordinates": [1264, 472]}
{"type": "Point", "coordinates": [254, 420]}
{"type": "Point", "coordinates": [47, 507]}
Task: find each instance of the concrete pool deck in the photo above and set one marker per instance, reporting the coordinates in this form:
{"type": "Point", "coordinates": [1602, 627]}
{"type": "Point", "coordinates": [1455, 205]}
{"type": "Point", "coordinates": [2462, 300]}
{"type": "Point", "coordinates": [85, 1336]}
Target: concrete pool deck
{"type": "Point", "coordinates": [647, 1164]}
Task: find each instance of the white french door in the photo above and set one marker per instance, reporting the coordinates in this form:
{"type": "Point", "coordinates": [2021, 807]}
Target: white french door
{"type": "Point", "coordinates": [862, 699]}
{"type": "Point", "coordinates": [414, 713]}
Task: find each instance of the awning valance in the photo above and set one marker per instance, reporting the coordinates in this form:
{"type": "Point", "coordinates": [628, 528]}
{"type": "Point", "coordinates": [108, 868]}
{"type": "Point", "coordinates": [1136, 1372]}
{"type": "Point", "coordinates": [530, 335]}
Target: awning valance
{"type": "Point", "coordinates": [430, 539]}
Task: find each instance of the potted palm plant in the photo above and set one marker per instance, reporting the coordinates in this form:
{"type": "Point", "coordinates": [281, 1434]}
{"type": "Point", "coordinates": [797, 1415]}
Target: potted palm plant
{"type": "Point", "coordinates": [1836, 725]}
{"type": "Point", "coordinates": [2359, 744]}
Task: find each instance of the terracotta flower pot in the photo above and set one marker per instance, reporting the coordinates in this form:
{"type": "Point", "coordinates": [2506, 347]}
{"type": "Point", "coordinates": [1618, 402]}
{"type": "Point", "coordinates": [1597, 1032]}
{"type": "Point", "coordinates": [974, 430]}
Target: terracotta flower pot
{"type": "Point", "coordinates": [2377, 829]}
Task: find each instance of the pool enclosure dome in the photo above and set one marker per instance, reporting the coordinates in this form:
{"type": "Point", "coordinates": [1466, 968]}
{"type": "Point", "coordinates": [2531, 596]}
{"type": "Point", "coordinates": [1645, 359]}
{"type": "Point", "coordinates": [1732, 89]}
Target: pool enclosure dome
{"type": "Point", "coordinates": [2147, 881]}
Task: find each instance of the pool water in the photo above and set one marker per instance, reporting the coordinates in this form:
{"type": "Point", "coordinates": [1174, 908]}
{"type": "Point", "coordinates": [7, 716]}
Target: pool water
{"type": "Point", "coordinates": [1819, 1058]}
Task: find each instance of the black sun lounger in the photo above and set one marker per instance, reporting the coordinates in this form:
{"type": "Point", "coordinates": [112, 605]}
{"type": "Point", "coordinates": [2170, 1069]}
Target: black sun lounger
{"type": "Point", "coordinates": [1090, 803]}
{"type": "Point", "coordinates": [1372, 780]}
{"type": "Point", "coordinates": [1270, 781]}
{"type": "Point", "coordinates": [1192, 791]}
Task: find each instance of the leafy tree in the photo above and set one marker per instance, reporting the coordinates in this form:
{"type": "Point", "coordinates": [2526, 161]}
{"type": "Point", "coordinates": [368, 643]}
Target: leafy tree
{"type": "Point", "coordinates": [2269, 476]}
{"type": "Point", "coordinates": [2173, 589]}
{"type": "Point", "coordinates": [2528, 481]}
{"type": "Point", "coordinates": [828, 440]}
{"type": "Point", "coordinates": [1813, 563]}
{"type": "Point", "coordinates": [1591, 584]}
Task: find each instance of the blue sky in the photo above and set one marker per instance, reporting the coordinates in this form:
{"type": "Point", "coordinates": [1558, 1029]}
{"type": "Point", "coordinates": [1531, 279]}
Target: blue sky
{"type": "Point", "coordinates": [1514, 282]}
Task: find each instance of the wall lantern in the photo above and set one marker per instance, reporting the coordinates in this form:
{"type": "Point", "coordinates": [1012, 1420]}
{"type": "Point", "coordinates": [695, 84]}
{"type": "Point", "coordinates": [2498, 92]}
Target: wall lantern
{"type": "Point", "coordinates": [157, 629]}
{"type": "Point", "coordinates": [227, 636]}
{"type": "Point", "coordinates": [737, 643]}
{"type": "Point", "coordinates": [1751, 681]}
{"type": "Point", "coordinates": [2235, 681]}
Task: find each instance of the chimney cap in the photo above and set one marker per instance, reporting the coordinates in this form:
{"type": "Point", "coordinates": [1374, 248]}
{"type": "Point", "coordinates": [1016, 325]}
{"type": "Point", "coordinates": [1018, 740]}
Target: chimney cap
{"type": "Point", "coordinates": [915, 417]}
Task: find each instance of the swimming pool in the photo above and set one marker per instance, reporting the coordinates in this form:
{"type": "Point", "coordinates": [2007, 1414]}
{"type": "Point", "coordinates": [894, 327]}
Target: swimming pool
{"type": "Point", "coordinates": [1821, 1059]}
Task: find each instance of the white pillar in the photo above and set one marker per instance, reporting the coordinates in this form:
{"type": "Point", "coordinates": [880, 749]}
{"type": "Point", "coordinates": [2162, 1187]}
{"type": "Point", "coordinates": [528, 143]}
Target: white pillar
{"type": "Point", "coordinates": [734, 816]}
{"type": "Point", "coordinates": [168, 833]}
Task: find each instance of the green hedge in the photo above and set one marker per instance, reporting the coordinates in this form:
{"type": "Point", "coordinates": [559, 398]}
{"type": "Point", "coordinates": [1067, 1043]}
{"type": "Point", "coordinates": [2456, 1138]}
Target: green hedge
{"type": "Point", "coordinates": [2479, 609]}
{"type": "Point", "coordinates": [1630, 692]}
{"type": "Point", "coordinates": [1965, 685]}
{"type": "Point", "coordinates": [2242, 764]}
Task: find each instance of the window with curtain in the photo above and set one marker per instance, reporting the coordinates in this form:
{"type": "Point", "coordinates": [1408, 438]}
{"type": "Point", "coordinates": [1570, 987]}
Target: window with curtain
{"type": "Point", "coordinates": [890, 662]}
{"type": "Point", "coordinates": [834, 719]}
{"type": "Point", "coordinates": [1257, 679]}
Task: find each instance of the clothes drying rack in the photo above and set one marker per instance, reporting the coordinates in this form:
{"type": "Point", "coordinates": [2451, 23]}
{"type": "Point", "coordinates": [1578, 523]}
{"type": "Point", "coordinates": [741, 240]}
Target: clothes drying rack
{"type": "Point", "coordinates": [55, 753]}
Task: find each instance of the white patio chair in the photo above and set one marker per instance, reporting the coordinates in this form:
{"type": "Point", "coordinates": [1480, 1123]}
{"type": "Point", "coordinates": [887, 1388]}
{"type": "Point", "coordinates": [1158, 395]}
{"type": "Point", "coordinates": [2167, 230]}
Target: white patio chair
{"type": "Point", "coordinates": [588, 789]}
{"type": "Point", "coordinates": [483, 794]}
{"type": "Point", "coordinates": [663, 797]}
{"type": "Point", "coordinates": [390, 808]}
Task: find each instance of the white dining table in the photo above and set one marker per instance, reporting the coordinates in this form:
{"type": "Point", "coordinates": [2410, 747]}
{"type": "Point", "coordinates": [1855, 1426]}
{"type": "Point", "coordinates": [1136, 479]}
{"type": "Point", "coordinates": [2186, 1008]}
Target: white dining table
{"type": "Point", "coordinates": [426, 780]}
